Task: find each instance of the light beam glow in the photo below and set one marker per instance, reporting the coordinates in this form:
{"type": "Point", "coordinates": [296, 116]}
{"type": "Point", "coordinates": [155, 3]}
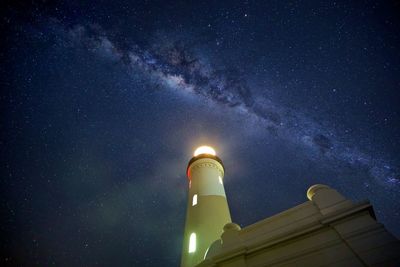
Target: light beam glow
{"type": "Point", "coordinates": [192, 243]}
{"type": "Point", "coordinates": [194, 202]}
{"type": "Point", "coordinates": [204, 150]}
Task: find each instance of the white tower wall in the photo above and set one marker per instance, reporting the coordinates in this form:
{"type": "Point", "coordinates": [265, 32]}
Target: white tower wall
{"type": "Point", "coordinates": [207, 208]}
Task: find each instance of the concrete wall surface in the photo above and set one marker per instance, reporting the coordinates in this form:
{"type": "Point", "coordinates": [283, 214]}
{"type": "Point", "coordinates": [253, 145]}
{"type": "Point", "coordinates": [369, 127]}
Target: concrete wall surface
{"type": "Point", "coordinates": [327, 230]}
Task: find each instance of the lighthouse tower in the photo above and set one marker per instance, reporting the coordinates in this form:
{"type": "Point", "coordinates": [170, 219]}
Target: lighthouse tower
{"type": "Point", "coordinates": [207, 207]}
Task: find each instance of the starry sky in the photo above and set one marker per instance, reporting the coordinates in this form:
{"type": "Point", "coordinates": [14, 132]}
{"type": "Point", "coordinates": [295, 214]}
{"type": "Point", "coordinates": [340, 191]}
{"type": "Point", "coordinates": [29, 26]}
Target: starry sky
{"type": "Point", "coordinates": [103, 103]}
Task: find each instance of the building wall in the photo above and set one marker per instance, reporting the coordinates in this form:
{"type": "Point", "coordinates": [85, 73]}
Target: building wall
{"type": "Point", "coordinates": [328, 230]}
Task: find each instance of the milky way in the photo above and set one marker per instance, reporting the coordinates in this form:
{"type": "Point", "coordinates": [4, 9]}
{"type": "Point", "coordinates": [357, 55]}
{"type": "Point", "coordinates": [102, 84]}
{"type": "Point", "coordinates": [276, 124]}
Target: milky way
{"type": "Point", "coordinates": [173, 65]}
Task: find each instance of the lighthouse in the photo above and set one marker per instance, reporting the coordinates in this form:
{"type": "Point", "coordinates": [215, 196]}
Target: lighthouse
{"type": "Point", "coordinates": [207, 208]}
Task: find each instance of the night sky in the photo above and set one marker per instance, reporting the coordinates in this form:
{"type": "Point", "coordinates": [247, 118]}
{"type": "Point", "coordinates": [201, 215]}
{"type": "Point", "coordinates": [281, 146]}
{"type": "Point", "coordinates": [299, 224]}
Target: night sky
{"type": "Point", "coordinates": [103, 103]}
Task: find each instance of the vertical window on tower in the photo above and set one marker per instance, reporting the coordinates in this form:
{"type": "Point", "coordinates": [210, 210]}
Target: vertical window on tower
{"type": "Point", "coordinates": [194, 201]}
{"type": "Point", "coordinates": [192, 243]}
{"type": "Point", "coordinates": [220, 179]}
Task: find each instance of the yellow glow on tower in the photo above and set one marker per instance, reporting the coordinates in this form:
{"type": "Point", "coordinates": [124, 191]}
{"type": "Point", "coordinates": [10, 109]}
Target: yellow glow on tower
{"type": "Point", "coordinates": [207, 207]}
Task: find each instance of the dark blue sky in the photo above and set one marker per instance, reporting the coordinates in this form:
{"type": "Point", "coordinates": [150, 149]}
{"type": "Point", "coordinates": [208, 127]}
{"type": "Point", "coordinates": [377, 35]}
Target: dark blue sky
{"type": "Point", "coordinates": [103, 103]}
